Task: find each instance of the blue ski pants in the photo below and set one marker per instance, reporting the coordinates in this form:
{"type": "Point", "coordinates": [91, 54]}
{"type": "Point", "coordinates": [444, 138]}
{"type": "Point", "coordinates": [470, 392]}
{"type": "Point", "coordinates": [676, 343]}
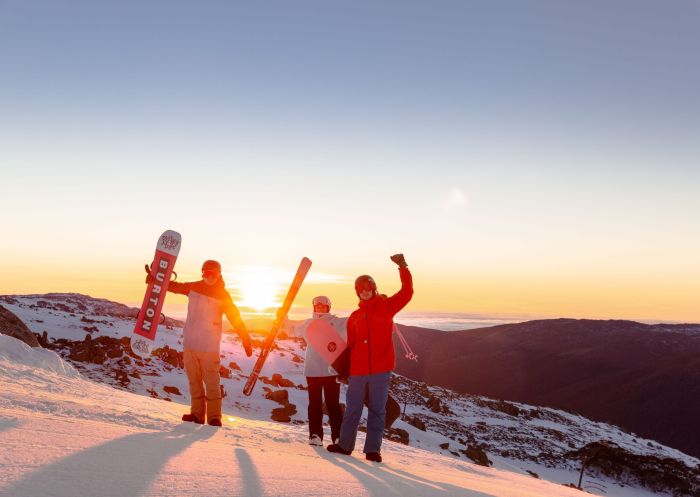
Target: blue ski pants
{"type": "Point", "coordinates": [377, 387]}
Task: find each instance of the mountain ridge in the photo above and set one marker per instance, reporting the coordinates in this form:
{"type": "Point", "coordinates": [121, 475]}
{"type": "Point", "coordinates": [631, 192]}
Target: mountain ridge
{"type": "Point", "coordinates": [622, 372]}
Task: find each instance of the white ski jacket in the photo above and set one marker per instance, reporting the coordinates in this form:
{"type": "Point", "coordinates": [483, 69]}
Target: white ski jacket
{"type": "Point", "coordinates": [314, 364]}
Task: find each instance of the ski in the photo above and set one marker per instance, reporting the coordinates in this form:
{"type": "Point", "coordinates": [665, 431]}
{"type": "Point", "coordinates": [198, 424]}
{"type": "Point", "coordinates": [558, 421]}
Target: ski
{"type": "Point", "coordinates": [149, 316]}
{"type": "Point", "coordinates": [303, 270]}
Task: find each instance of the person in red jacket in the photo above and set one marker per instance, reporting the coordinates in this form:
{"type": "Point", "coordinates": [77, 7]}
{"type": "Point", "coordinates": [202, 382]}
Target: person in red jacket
{"type": "Point", "coordinates": [372, 360]}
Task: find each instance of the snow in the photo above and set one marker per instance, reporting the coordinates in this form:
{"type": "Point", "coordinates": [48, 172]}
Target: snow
{"type": "Point", "coordinates": [79, 414]}
{"type": "Point", "coordinates": [63, 435]}
{"type": "Point", "coordinates": [19, 352]}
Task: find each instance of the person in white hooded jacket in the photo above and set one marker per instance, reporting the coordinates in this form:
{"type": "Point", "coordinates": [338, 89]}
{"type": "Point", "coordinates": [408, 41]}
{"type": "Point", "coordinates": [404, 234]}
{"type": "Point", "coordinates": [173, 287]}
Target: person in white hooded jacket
{"type": "Point", "coordinates": [321, 379]}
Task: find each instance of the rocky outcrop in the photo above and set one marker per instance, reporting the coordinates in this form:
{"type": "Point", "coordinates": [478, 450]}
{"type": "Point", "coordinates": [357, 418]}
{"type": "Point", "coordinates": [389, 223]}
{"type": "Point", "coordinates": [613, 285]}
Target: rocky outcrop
{"type": "Point", "coordinates": [97, 350]}
{"type": "Point", "coordinates": [278, 380]}
{"type": "Point", "coordinates": [172, 390]}
{"type": "Point", "coordinates": [397, 435]}
{"type": "Point", "coordinates": [284, 414]}
{"type": "Point", "coordinates": [279, 396]}
{"type": "Point", "coordinates": [224, 372]}
{"type": "Point", "coordinates": [478, 455]}
{"type": "Point", "coordinates": [659, 475]}
{"type": "Point", "coordinates": [416, 422]}
{"type": "Point", "coordinates": [281, 381]}
{"type": "Point", "coordinates": [170, 356]}
{"type": "Point", "coordinates": [13, 326]}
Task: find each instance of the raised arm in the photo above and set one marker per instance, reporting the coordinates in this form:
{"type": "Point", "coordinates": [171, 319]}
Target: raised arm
{"type": "Point", "coordinates": [179, 288]}
{"type": "Point", "coordinates": [399, 300]}
{"type": "Point", "coordinates": [173, 286]}
{"type": "Point", "coordinates": [299, 330]}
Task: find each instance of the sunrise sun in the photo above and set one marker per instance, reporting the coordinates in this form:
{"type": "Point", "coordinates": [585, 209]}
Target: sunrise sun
{"type": "Point", "coordinates": [257, 287]}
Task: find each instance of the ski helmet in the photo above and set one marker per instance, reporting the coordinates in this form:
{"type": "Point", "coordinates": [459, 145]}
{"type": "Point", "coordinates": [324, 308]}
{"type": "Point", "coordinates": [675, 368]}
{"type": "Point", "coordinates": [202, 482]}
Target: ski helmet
{"type": "Point", "coordinates": [365, 282]}
{"type": "Point", "coordinates": [321, 300]}
{"type": "Point", "coordinates": [211, 266]}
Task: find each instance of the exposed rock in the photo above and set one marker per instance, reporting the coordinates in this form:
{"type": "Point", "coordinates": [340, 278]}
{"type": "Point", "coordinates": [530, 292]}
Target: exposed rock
{"type": "Point", "coordinates": [95, 350]}
{"type": "Point", "coordinates": [434, 404]}
{"type": "Point", "coordinates": [284, 414]}
{"type": "Point", "coordinates": [445, 446]}
{"type": "Point", "coordinates": [233, 366]}
{"type": "Point", "coordinates": [170, 356]}
{"type": "Point", "coordinates": [13, 326]}
{"type": "Point", "coordinates": [268, 381]}
{"type": "Point", "coordinates": [506, 407]}
{"type": "Point", "coordinates": [478, 455]}
{"type": "Point", "coordinates": [279, 396]}
{"type": "Point", "coordinates": [416, 422]}
{"type": "Point", "coordinates": [397, 435]}
{"type": "Point", "coordinates": [224, 372]}
{"type": "Point", "coordinates": [659, 475]}
{"type": "Point", "coordinates": [122, 378]}
{"type": "Point", "coordinates": [281, 381]}
{"type": "Point", "coordinates": [172, 390]}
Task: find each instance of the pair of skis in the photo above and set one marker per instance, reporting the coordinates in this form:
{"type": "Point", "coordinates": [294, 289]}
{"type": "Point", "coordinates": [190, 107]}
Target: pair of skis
{"type": "Point", "coordinates": [150, 314]}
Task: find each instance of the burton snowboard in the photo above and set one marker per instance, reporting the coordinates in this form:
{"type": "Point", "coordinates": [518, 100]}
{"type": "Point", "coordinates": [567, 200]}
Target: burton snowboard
{"type": "Point", "coordinates": [149, 316]}
{"type": "Point", "coordinates": [303, 270]}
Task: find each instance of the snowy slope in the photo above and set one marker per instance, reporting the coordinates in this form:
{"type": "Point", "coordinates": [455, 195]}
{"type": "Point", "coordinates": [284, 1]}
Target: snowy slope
{"type": "Point", "coordinates": [63, 435]}
{"type": "Point", "coordinates": [516, 437]}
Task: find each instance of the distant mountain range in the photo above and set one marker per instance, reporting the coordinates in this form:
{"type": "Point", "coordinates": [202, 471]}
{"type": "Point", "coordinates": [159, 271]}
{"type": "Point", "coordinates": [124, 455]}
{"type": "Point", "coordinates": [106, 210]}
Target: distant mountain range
{"type": "Point", "coordinates": [643, 378]}
{"type": "Point", "coordinates": [93, 336]}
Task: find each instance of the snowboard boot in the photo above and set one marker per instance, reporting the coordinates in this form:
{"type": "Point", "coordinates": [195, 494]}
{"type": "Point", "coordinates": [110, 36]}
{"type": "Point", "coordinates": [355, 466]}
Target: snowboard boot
{"type": "Point", "coordinates": [338, 449]}
{"type": "Point", "coordinates": [215, 422]}
{"type": "Point", "coordinates": [373, 456]}
{"type": "Point", "coordinates": [315, 440]}
{"type": "Point", "coordinates": [191, 418]}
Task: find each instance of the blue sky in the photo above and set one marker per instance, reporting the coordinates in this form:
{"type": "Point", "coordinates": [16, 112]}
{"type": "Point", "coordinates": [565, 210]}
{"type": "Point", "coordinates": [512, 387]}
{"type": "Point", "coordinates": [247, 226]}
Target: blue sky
{"type": "Point", "coordinates": [499, 142]}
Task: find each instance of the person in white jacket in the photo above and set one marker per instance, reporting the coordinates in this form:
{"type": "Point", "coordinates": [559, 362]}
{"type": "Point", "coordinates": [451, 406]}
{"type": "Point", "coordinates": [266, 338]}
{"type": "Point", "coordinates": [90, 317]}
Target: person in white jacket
{"type": "Point", "coordinates": [321, 379]}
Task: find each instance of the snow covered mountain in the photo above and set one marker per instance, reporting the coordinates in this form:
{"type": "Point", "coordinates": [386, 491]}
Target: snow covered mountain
{"type": "Point", "coordinates": [444, 431]}
{"type": "Point", "coordinates": [621, 372]}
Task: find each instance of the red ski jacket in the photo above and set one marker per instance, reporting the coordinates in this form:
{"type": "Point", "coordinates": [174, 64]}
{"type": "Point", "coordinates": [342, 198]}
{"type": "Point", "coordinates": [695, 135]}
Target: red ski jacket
{"type": "Point", "coordinates": [370, 330]}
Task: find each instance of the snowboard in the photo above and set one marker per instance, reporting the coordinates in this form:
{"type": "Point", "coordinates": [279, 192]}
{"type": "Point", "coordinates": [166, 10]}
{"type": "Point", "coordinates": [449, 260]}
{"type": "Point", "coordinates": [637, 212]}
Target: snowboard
{"type": "Point", "coordinates": [330, 345]}
{"type": "Point", "coordinates": [301, 273]}
{"type": "Point", "coordinates": [149, 315]}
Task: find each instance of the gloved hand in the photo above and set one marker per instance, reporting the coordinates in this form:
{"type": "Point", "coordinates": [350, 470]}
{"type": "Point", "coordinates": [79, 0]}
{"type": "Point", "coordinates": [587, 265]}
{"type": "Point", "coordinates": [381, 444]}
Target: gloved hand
{"type": "Point", "coordinates": [247, 345]}
{"type": "Point", "coordinates": [149, 278]}
{"type": "Point", "coordinates": [399, 260]}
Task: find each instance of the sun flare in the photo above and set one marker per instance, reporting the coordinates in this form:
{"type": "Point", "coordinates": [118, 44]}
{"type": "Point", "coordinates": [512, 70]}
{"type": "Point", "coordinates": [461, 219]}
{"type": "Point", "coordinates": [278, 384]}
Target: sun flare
{"type": "Point", "coordinates": [257, 287]}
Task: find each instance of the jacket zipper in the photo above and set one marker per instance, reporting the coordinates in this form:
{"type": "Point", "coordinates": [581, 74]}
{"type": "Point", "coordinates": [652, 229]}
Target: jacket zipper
{"type": "Point", "coordinates": [369, 349]}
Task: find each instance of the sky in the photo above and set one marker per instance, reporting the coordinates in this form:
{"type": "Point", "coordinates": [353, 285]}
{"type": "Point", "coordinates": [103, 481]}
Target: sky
{"type": "Point", "coordinates": [534, 157]}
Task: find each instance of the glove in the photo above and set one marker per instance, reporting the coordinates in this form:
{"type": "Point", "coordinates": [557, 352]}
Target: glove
{"type": "Point", "coordinates": [149, 278]}
{"type": "Point", "coordinates": [399, 260]}
{"type": "Point", "coordinates": [247, 345]}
